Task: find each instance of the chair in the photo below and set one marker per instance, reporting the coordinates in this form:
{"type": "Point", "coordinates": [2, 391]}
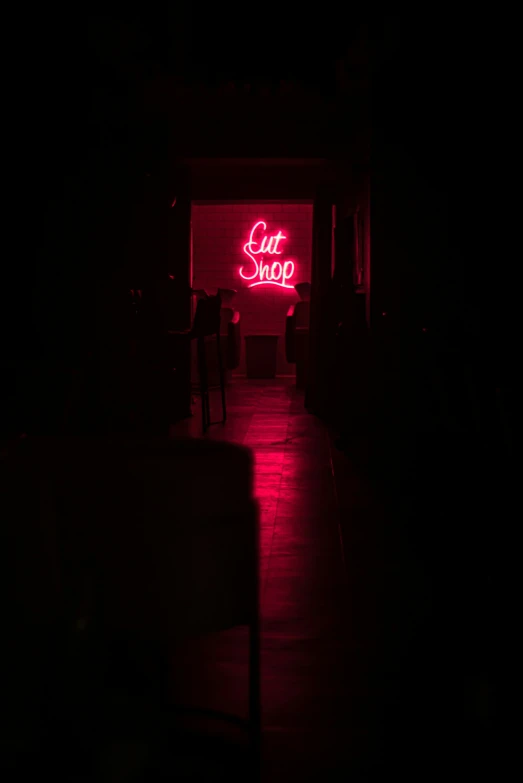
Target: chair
{"type": "Point", "coordinates": [206, 324]}
{"type": "Point", "coordinates": [231, 331]}
{"type": "Point", "coordinates": [144, 557]}
{"type": "Point", "coordinates": [190, 564]}
{"type": "Point", "coordinates": [297, 340]}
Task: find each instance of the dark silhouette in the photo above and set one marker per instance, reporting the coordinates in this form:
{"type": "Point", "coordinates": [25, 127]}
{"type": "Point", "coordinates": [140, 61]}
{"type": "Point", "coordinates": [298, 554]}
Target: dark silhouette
{"type": "Point", "coordinates": [351, 518]}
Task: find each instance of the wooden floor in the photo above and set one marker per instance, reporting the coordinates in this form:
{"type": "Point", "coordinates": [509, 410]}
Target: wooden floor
{"type": "Point", "coordinates": [371, 639]}
{"type": "Point", "coordinates": [304, 587]}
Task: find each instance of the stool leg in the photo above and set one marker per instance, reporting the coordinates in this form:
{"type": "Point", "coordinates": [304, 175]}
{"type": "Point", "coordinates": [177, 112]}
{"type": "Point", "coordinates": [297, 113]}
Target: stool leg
{"type": "Point", "coordinates": [254, 696]}
{"type": "Point", "coordinates": [222, 379]}
{"type": "Point", "coordinates": [206, 376]}
{"type": "Point", "coordinates": [201, 372]}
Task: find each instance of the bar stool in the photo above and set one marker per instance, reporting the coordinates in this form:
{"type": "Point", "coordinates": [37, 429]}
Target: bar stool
{"type": "Point", "coordinates": [206, 324]}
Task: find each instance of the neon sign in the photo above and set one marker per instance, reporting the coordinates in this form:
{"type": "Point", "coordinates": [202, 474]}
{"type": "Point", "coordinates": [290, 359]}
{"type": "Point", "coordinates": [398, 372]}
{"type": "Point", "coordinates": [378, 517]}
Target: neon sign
{"type": "Point", "coordinates": [276, 273]}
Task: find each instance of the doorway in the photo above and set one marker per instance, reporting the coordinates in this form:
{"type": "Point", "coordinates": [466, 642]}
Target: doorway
{"type": "Point", "coordinates": [260, 250]}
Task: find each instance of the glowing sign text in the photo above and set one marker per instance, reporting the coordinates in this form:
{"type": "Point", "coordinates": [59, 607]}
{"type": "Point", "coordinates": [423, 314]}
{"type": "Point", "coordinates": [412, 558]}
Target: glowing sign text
{"type": "Point", "coordinates": [276, 273]}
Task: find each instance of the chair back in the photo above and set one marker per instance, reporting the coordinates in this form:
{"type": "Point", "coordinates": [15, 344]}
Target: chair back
{"type": "Point", "coordinates": [189, 523]}
{"type": "Point", "coordinates": [152, 539]}
{"type": "Point", "coordinates": [207, 317]}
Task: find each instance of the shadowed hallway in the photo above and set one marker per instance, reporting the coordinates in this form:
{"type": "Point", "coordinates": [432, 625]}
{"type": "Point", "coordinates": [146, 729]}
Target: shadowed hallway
{"type": "Point", "coordinates": [306, 712]}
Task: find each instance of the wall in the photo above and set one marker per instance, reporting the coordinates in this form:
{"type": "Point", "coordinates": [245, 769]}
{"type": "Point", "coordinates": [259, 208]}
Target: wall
{"type": "Point", "coordinates": [219, 233]}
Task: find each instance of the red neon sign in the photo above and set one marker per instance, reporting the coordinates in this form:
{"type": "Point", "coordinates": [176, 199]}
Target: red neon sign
{"type": "Point", "coordinates": [276, 273]}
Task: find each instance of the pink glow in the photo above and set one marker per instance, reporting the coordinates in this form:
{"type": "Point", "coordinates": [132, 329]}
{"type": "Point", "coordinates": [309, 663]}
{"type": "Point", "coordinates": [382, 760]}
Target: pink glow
{"type": "Point", "coordinates": [277, 273]}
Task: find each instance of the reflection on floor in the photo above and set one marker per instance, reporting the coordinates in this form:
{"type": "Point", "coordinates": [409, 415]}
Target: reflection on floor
{"type": "Point", "coordinates": [375, 654]}
{"type": "Point", "coordinates": [304, 599]}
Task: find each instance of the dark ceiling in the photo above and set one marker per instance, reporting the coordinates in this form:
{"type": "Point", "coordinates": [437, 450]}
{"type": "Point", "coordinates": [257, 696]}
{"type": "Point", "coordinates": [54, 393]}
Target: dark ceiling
{"type": "Point", "coordinates": [260, 44]}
